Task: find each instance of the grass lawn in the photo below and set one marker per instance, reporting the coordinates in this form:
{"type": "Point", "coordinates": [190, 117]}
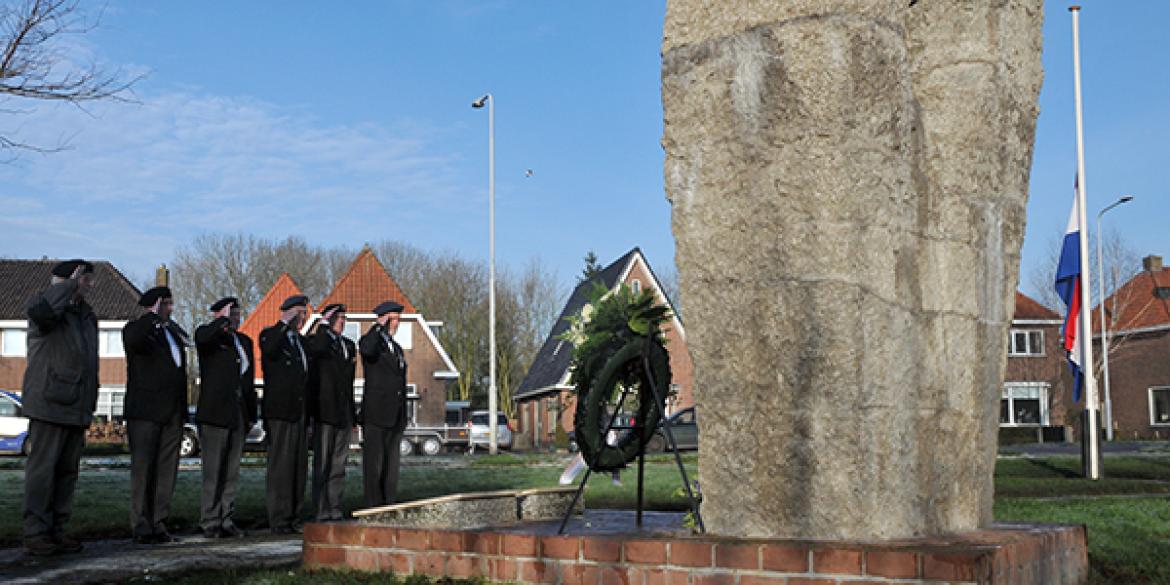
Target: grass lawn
{"type": "Point", "coordinates": [1128, 514]}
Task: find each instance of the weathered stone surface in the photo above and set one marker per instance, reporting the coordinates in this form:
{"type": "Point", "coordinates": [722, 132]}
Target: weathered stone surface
{"type": "Point", "coordinates": [848, 181]}
{"type": "Point", "coordinates": [478, 509]}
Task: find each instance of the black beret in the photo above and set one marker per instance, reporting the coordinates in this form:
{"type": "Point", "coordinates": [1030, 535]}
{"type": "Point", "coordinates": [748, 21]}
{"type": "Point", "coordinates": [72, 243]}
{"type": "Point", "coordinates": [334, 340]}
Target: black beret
{"type": "Point", "coordinates": [153, 295]}
{"type": "Point", "coordinates": [294, 301]}
{"type": "Point", "coordinates": [221, 303]}
{"type": "Point", "coordinates": [65, 269]}
{"type": "Point", "coordinates": [338, 306]}
{"type": "Point", "coordinates": [387, 307]}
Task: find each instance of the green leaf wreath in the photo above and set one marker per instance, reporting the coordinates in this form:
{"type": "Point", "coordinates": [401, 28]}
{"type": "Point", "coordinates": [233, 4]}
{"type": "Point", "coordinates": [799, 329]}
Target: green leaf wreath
{"type": "Point", "coordinates": [614, 337]}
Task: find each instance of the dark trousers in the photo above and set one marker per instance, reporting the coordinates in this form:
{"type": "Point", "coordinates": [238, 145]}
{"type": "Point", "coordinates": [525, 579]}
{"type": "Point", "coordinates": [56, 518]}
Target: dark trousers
{"type": "Point", "coordinates": [50, 474]}
{"type": "Point", "coordinates": [288, 466]}
{"type": "Point", "coordinates": [330, 448]}
{"type": "Point", "coordinates": [380, 457]}
{"type": "Point", "coordinates": [154, 464]}
{"type": "Point", "coordinates": [222, 447]}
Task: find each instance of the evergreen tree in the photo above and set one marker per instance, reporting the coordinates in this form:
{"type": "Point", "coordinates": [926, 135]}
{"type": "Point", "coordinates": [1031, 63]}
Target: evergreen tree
{"type": "Point", "coordinates": [592, 268]}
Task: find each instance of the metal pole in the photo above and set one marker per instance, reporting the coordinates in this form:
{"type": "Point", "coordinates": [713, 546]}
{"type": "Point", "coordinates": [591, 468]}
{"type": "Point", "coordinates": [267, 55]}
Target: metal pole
{"type": "Point", "coordinates": [493, 432]}
{"type": "Point", "coordinates": [1092, 461]}
{"type": "Point", "coordinates": [1104, 323]}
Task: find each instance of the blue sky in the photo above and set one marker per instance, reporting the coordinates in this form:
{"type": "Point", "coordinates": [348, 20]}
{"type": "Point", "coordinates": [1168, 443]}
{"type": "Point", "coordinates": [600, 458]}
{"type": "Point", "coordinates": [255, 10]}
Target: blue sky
{"type": "Point", "coordinates": [353, 125]}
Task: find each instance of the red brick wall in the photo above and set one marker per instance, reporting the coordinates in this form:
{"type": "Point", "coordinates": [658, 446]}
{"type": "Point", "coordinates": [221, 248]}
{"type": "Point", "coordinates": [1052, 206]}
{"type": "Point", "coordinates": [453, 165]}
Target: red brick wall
{"type": "Point", "coordinates": [423, 360]}
{"type": "Point", "coordinates": [1137, 364]}
{"type": "Point", "coordinates": [1051, 368]}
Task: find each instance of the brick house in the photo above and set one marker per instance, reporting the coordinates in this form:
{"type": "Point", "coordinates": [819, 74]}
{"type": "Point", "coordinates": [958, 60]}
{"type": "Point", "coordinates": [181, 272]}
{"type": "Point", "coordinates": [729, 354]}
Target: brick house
{"type": "Point", "coordinates": [545, 399]}
{"type": "Point", "coordinates": [115, 301]}
{"type": "Point", "coordinates": [1036, 402]}
{"type": "Point", "coordinates": [363, 286]}
{"type": "Point", "coordinates": [1139, 357]}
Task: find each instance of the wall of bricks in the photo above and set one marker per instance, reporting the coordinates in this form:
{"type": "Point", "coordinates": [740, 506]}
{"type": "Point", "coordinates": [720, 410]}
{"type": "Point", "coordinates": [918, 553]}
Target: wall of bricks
{"type": "Point", "coordinates": [1005, 555]}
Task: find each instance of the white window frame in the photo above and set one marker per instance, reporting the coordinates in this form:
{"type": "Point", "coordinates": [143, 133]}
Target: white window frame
{"type": "Point", "coordinates": [1045, 413]}
{"type": "Point", "coordinates": [104, 349]}
{"type": "Point", "coordinates": [636, 286]}
{"type": "Point", "coordinates": [21, 350]}
{"type": "Point", "coordinates": [352, 331]}
{"type": "Point", "coordinates": [1028, 351]}
{"type": "Point", "coordinates": [116, 402]}
{"type": "Point", "coordinates": [1150, 394]}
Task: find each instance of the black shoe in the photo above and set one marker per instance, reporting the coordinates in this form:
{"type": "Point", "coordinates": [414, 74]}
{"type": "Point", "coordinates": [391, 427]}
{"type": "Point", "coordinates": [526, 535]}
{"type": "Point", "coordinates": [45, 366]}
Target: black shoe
{"type": "Point", "coordinates": [212, 533]}
{"type": "Point", "coordinates": [231, 531]}
{"type": "Point", "coordinates": [164, 538]}
{"type": "Point", "coordinates": [144, 539]}
{"type": "Point", "coordinates": [281, 530]}
{"type": "Point", "coordinates": [41, 545]}
{"type": "Point", "coordinates": [66, 544]}
{"type": "Point", "coordinates": [298, 528]}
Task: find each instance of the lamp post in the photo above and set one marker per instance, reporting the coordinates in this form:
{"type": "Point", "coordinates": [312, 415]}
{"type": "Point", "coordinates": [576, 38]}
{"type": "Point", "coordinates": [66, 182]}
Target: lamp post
{"type": "Point", "coordinates": [492, 418]}
{"type": "Point", "coordinates": [1104, 323]}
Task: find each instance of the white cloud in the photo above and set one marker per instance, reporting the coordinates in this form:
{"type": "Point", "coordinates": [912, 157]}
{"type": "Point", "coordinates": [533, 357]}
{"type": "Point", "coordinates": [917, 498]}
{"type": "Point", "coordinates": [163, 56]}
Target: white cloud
{"type": "Point", "coordinates": [140, 179]}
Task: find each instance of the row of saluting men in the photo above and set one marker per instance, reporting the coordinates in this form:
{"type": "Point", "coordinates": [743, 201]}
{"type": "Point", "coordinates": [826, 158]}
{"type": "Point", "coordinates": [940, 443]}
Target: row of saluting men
{"type": "Point", "coordinates": [308, 380]}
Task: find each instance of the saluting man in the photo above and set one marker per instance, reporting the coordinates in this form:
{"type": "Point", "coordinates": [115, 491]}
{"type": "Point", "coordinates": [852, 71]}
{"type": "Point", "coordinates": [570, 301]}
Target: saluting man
{"type": "Point", "coordinates": [286, 378]}
{"type": "Point", "coordinates": [155, 406]}
{"type": "Point", "coordinates": [227, 409]}
{"type": "Point", "coordinates": [334, 358]}
{"type": "Point", "coordinates": [383, 413]}
{"type": "Point", "coordinates": [59, 394]}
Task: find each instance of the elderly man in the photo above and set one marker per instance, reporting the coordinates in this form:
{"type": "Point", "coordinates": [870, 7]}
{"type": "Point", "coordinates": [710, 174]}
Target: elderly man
{"type": "Point", "coordinates": [334, 358]}
{"type": "Point", "coordinates": [156, 404]}
{"type": "Point", "coordinates": [286, 379]}
{"type": "Point", "coordinates": [383, 413]}
{"type": "Point", "coordinates": [60, 393]}
{"type": "Point", "coordinates": [227, 409]}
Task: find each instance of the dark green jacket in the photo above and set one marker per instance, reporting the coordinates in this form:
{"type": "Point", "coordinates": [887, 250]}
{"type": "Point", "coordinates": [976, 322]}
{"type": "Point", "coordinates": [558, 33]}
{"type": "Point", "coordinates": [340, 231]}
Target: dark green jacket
{"type": "Point", "coordinates": [61, 376]}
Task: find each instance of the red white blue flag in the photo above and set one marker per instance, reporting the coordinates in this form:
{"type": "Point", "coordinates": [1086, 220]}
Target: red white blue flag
{"type": "Point", "coordinates": [1068, 286]}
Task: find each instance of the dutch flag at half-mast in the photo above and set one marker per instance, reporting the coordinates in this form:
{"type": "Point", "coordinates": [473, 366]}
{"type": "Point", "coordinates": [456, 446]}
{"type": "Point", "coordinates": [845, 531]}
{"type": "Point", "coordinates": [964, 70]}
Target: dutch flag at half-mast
{"type": "Point", "coordinates": [1068, 286]}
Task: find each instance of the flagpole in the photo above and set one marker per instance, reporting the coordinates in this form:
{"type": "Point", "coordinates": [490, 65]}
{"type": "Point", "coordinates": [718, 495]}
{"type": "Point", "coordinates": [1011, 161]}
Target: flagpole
{"type": "Point", "coordinates": [1091, 430]}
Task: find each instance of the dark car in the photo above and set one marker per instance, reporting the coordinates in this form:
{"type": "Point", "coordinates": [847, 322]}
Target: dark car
{"type": "Point", "coordinates": [684, 428]}
{"type": "Point", "coordinates": [189, 445]}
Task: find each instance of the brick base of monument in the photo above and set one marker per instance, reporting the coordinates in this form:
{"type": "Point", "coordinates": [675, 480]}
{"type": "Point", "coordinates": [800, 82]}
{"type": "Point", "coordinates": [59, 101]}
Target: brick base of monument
{"type": "Point", "coordinates": [1015, 554]}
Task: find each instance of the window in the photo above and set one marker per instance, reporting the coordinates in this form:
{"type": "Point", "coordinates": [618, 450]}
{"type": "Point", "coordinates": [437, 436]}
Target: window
{"type": "Point", "coordinates": [636, 286]}
{"type": "Point", "coordinates": [1160, 406]}
{"type": "Point", "coordinates": [8, 407]}
{"type": "Point", "coordinates": [110, 401]}
{"type": "Point", "coordinates": [110, 343]}
{"type": "Point", "coordinates": [1026, 342]}
{"type": "Point", "coordinates": [1024, 403]}
{"type": "Point", "coordinates": [353, 330]}
{"type": "Point", "coordinates": [403, 335]}
{"type": "Point", "coordinates": [13, 342]}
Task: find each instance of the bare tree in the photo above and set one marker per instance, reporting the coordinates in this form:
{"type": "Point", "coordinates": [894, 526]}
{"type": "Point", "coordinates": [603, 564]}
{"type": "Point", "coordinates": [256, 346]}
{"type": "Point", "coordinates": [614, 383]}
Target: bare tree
{"type": "Point", "coordinates": [34, 66]}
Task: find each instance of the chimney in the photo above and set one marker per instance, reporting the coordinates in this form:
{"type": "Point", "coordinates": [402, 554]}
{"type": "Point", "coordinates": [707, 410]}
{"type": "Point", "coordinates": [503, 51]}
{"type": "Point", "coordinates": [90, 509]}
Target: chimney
{"type": "Point", "coordinates": [1152, 263]}
{"type": "Point", "coordinates": [162, 276]}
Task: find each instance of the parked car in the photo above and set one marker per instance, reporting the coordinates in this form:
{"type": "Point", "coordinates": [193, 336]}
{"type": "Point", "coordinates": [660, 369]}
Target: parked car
{"type": "Point", "coordinates": [13, 425]}
{"type": "Point", "coordinates": [481, 433]}
{"type": "Point", "coordinates": [189, 445]}
{"type": "Point", "coordinates": [624, 422]}
{"type": "Point", "coordinates": [684, 428]}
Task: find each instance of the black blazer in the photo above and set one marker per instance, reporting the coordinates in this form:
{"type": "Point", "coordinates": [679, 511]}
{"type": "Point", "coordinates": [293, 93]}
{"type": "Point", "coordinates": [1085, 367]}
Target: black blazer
{"type": "Point", "coordinates": [384, 399]}
{"type": "Point", "coordinates": [331, 377]}
{"type": "Point", "coordinates": [156, 388]}
{"type": "Point", "coordinates": [219, 372]}
{"type": "Point", "coordinates": [285, 377]}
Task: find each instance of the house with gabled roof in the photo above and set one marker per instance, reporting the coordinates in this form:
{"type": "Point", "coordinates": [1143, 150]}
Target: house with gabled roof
{"type": "Point", "coordinates": [1035, 403]}
{"type": "Point", "coordinates": [1138, 315]}
{"type": "Point", "coordinates": [115, 302]}
{"type": "Point", "coordinates": [364, 285]}
{"type": "Point", "coordinates": [545, 399]}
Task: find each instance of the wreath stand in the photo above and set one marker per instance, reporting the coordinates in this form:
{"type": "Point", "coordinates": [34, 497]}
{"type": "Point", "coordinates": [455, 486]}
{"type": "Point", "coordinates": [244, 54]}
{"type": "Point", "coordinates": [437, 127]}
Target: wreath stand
{"type": "Point", "coordinates": [659, 401]}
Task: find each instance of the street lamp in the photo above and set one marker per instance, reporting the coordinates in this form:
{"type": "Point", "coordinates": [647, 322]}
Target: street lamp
{"type": "Point", "coordinates": [492, 418]}
{"type": "Point", "coordinates": [1104, 324]}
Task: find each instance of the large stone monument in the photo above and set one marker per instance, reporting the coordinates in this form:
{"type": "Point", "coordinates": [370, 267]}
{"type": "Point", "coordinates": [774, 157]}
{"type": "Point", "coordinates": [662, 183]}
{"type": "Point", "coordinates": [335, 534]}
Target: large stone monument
{"type": "Point", "coordinates": [849, 180]}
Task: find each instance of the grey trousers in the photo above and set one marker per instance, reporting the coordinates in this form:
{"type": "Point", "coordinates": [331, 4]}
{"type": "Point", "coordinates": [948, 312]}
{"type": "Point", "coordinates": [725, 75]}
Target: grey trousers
{"type": "Point", "coordinates": [154, 464]}
{"type": "Point", "coordinates": [222, 448]}
{"type": "Point", "coordinates": [330, 449]}
{"type": "Point", "coordinates": [380, 458]}
{"type": "Point", "coordinates": [50, 475]}
{"type": "Point", "coordinates": [288, 466]}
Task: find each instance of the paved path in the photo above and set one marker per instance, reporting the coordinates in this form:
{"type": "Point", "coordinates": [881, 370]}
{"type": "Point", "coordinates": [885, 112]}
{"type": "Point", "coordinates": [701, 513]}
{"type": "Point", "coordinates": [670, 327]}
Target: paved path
{"type": "Point", "coordinates": [116, 561]}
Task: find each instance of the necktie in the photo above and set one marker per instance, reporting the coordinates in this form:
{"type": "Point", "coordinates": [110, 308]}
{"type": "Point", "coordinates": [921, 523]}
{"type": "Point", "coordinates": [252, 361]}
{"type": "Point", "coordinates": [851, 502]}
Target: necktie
{"type": "Point", "coordinates": [174, 348]}
{"type": "Point", "coordinates": [292, 336]}
{"type": "Point", "coordinates": [243, 356]}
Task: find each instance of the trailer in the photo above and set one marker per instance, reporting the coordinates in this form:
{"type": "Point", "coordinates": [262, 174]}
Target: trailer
{"type": "Point", "coordinates": [432, 440]}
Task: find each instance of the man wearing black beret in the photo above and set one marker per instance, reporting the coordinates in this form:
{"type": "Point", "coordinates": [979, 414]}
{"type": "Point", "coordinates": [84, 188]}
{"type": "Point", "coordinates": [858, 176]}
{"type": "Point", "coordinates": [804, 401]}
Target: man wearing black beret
{"type": "Point", "coordinates": [286, 378]}
{"type": "Point", "coordinates": [383, 413]}
{"type": "Point", "coordinates": [227, 409]}
{"type": "Point", "coordinates": [334, 358]}
{"type": "Point", "coordinates": [155, 406]}
{"type": "Point", "coordinates": [59, 393]}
